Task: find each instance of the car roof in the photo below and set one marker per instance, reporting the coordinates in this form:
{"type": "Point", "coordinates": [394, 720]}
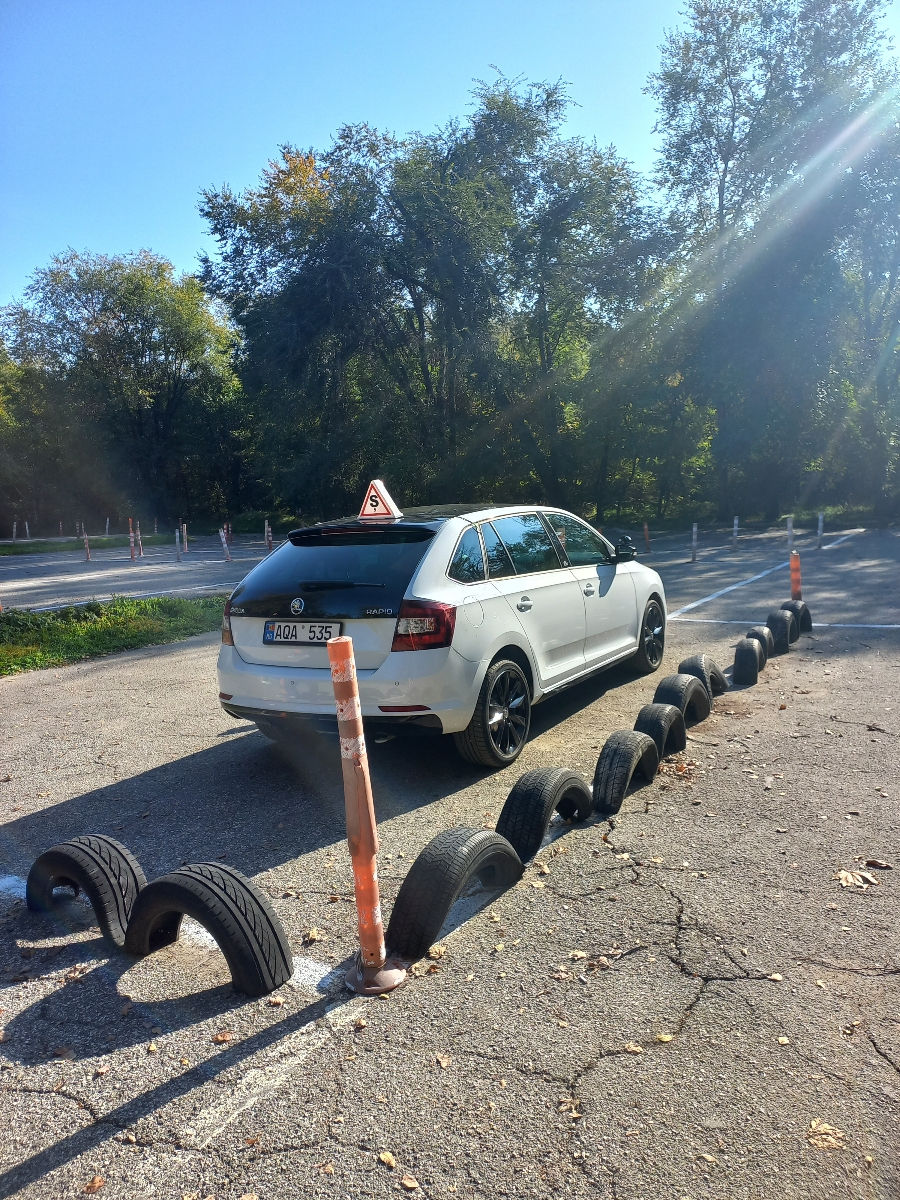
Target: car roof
{"type": "Point", "coordinates": [430, 515]}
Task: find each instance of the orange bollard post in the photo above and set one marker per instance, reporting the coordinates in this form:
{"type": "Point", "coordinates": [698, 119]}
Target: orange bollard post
{"type": "Point", "coordinates": [371, 973]}
{"type": "Point", "coordinates": [796, 581]}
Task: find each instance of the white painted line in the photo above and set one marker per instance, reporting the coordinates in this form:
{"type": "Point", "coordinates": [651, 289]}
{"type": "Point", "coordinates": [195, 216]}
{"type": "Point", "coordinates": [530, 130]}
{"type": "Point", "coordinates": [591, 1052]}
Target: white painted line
{"type": "Point", "coordinates": [849, 625]}
{"type": "Point", "coordinates": [752, 579]}
{"type": "Point", "coordinates": [731, 588]}
{"type": "Point", "coordinates": [749, 621]}
{"type": "Point", "coordinates": [257, 1082]}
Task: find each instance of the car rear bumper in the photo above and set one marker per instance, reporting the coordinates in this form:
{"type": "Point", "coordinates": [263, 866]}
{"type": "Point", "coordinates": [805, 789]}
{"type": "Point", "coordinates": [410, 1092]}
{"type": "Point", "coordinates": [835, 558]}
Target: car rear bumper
{"type": "Point", "coordinates": [441, 683]}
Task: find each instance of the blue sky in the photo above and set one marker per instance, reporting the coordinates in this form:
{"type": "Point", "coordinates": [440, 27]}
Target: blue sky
{"type": "Point", "coordinates": [116, 113]}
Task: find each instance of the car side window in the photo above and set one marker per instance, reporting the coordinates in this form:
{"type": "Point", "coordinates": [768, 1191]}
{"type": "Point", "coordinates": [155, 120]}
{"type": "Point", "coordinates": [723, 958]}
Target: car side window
{"type": "Point", "coordinates": [528, 543]}
{"type": "Point", "coordinates": [498, 560]}
{"type": "Point", "coordinates": [467, 564]}
{"type": "Point", "coordinates": [582, 545]}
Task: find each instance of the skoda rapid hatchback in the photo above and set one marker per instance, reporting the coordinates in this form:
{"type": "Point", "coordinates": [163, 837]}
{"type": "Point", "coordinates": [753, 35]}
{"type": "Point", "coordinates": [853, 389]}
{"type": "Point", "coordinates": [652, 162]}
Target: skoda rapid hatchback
{"type": "Point", "coordinates": [462, 618]}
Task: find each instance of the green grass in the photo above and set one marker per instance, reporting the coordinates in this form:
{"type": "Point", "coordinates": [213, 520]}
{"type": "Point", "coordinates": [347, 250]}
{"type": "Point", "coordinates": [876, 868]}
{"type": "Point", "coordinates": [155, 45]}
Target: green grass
{"type": "Point", "coordinates": [31, 640]}
{"type": "Point", "coordinates": [76, 545]}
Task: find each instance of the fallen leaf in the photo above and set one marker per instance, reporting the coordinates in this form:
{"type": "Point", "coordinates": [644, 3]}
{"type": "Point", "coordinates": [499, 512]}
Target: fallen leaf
{"type": "Point", "coordinates": [576, 954]}
{"type": "Point", "coordinates": [252, 1141]}
{"type": "Point", "coordinates": [223, 1036]}
{"type": "Point", "coordinates": [543, 869]}
{"type": "Point", "coordinates": [275, 1001]}
{"type": "Point", "coordinates": [825, 1136]}
{"type": "Point", "coordinates": [445, 1060]}
{"type": "Point", "coordinates": [782, 707]}
{"type": "Point", "coordinates": [327, 1168]}
{"type": "Point", "coordinates": [249, 1196]}
{"type": "Point", "coordinates": [360, 1023]}
{"type": "Point", "coordinates": [388, 1159]}
{"type": "Point", "coordinates": [776, 977]}
{"type": "Point", "coordinates": [498, 949]}
{"type": "Point", "coordinates": [314, 935]}
{"type": "Point", "coordinates": [571, 1105]}
{"type": "Point", "coordinates": [101, 1070]}
{"type": "Point", "coordinates": [409, 1182]}
{"type": "Point", "coordinates": [664, 1037]}
{"type": "Point", "coordinates": [859, 879]}
{"type": "Point", "coordinates": [436, 952]}
{"type": "Point", "coordinates": [94, 1185]}
{"type": "Point", "coordinates": [633, 1048]}
{"type": "Point", "coordinates": [152, 1048]}
{"type": "Point", "coordinates": [877, 864]}
{"type": "Point", "coordinates": [537, 883]}
{"type": "Point", "coordinates": [783, 1041]}
{"type": "Point", "coordinates": [709, 1158]}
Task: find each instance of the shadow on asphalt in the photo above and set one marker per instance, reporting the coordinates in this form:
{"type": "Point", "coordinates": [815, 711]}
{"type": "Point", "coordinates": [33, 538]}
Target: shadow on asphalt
{"type": "Point", "coordinates": [249, 801]}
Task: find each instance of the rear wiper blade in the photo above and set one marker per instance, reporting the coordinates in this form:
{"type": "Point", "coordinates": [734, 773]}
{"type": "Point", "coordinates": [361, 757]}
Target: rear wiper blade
{"type": "Point", "coordinates": [324, 585]}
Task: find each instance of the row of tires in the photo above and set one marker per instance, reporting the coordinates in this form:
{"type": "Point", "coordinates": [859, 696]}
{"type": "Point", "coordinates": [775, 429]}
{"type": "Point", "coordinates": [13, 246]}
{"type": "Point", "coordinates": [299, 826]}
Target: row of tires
{"type": "Point", "coordinates": [140, 917]}
{"type": "Point", "coordinates": [495, 859]}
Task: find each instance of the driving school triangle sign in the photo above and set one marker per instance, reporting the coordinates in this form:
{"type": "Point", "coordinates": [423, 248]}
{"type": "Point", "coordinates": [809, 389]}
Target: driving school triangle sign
{"type": "Point", "coordinates": [378, 502]}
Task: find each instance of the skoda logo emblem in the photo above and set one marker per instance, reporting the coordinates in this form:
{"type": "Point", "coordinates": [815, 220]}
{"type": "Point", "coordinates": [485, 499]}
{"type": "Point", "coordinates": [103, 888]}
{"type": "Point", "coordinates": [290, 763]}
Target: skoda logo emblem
{"type": "Point", "coordinates": [297, 606]}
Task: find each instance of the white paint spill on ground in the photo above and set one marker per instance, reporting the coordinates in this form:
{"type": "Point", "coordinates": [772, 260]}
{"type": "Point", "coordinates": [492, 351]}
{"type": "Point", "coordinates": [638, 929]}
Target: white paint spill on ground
{"type": "Point", "coordinates": [12, 888]}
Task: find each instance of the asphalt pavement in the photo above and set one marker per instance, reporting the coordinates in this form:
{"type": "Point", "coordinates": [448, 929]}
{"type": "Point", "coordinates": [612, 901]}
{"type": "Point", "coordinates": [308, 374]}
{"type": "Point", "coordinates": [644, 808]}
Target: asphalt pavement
{"type": "Point", "coordinates": [683, 1001]}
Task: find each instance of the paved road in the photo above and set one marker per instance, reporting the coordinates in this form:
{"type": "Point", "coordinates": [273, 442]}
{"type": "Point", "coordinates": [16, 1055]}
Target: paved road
{"type": "Point", "coordinates": [55, 579]}
{"type": "Point", "coordinates": [686, 1004]}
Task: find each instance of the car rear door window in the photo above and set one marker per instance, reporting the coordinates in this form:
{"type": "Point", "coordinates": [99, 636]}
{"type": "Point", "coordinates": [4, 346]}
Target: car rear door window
{"type": "Point", "coordinates": [528, 543]}
{"type": "Point", "coordinates": [582, 545]}
{"type": "Point", "coordinates": [499, 563]}
{"type": "Point", "coordinates": [467, 564]}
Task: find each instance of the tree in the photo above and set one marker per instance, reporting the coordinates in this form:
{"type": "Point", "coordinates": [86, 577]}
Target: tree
{"type": "Point", "coordinates": [137, 362]}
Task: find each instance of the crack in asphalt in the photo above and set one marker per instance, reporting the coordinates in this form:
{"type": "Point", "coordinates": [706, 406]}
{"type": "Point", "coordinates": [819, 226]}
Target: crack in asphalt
{"type": "Point", "coordinates": [882, 1053]}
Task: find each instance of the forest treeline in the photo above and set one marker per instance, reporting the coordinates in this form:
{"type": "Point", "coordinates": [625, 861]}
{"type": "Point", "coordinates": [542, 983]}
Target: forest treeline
{"type": "Point", "coordinates": [497, 311]}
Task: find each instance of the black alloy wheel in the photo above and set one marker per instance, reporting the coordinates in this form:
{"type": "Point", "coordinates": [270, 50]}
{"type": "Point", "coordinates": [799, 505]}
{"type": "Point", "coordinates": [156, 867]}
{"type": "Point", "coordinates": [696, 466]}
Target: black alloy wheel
{"type": "Point", "coordinates": [508, 712]}
{"type": "Point", "coordinates": [653, 637]}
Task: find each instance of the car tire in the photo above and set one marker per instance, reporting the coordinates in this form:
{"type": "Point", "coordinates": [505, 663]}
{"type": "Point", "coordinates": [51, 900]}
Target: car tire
{"type": "Point", "coordinates": [623, 753]}
{"type": "Point", "coordinates": [781, 621]}
{"type": "Point", "coordinates": [747, 661]}
{"type": "Point", "coordinates": [688, 695]}
{"type": "Point", "coordinates": [498, 730]}
{"type": "Point", "coordinates": [707, 671]}
{"type": "Point", "coordinates": [665, 724]}
{"type": "Point", "coordinates": [802, 615]}
{"type": "Point", "coordinates": [651, 638]}
{"type": "Point", "coordinates": [436, 880]}
{"type": "Point", "coordinates": [535, 797]}
{"type": "Point", "coordinates": [105, 870]}
{"type": "Point", "coordinates": [763, 635]}
{"type": "Point", "coordinates": [230, 907]}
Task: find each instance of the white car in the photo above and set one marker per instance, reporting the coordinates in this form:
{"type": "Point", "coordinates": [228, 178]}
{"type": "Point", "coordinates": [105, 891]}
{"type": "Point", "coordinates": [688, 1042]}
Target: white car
{"type": "Point", "coordinates": [461, 617]}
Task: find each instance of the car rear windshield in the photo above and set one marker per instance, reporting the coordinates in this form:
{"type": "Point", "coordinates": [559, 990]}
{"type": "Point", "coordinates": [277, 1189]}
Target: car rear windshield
{"type": "Point", "coordinates": [337, 573]}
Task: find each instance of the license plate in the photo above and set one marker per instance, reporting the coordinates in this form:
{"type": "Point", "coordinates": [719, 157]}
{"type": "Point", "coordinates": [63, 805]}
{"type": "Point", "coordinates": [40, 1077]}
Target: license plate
{"type": "Point", "coordinates": [300, 633]}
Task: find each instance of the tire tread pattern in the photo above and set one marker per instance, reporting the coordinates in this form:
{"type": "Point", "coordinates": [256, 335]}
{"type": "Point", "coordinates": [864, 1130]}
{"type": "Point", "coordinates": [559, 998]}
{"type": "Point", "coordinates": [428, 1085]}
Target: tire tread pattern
{"type": "Point", "coordinates": [748, 658]}
{"type": "Point", "coordinates": [763, 635]}
{"type": "Point", "coordinates": [436, 879]}
{"type": "Point", "coordinates": [534, 798]}
{"type": "Point", "coordinates": [234, 911]}
{"type": "Point", "coordinates": [781, 622]}
{"type": "Point", "coordinates": [802, 615]}
{"type": "Point", "coordinates": [624, 752]}
{"type": "Point", "coordinates": [105, 870]}
{"type": "Point", "coordinates": [665, 724]}
{"type": "Point", "coordinates": [708, 671]}
{"type": "Point", "coordinates": [688, 695]}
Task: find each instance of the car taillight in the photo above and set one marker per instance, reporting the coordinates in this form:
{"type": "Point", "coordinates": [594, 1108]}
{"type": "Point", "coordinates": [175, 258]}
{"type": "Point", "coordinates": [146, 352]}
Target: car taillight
{"type": "Point", "coordinates": [424, 625]}
{"type": "Point", "coordinates": [227, 639]}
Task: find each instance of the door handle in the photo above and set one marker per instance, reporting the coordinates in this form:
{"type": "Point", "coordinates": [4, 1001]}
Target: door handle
{"type": "Point", "coordinates": [589, 591]}
{"type": "Point", "coordinates": [524, 604]}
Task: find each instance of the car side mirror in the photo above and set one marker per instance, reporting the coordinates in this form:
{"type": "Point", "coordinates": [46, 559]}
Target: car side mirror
{"type": "Point", "coordinates": [625, 550]}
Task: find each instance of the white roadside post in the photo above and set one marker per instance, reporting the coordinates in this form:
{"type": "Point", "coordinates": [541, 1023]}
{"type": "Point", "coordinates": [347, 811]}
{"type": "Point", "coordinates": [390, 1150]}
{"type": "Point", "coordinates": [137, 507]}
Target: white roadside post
{"type": "Point", "coordinates": [177, 546]}
{"type": "Point", "coordinates": [790, 532]}
{"type": "Point", "coordinates": [820, 531]}
{"type": "Point", "coordinates": [107, 526]}
{"type": "Point", "coordinates": [734, 535]}
{"type": "Point", "coordinates": [694, 543]}
{"type": "Point", "coordinates": [27, 533]}
{"type": "Point", "coordinates": [224, 541]}
{"type": "Point", "coordinates": [15, 523]}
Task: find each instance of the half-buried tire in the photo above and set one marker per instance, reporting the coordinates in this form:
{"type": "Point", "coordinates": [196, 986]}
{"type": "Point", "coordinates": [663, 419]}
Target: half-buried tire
{"type": "Point", "coordinates": [624, 753]}
{"type": "Point", "coordinates": [763, 635]}
{"type": "Point", "coordinates": [230, 907]}
{"type": "Point", "coordinates": [802, 615]}
{"type": "Point", "coordinates": [688, 695]}
{"type": "Point", "coordinates": [534, 799]}
{"type": "Point", "coordinates": [707, 671]}
{"type": "Point", "coordinates": [781, 622]}
{"type": "Point", "coordinates": [105, 870]}
{"type": "Point", "coordinates": [436, 880]}
{"type": "Point", "coordinates": [665, 724]}
{"type": "Point", "coordinates": [747, 661]}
